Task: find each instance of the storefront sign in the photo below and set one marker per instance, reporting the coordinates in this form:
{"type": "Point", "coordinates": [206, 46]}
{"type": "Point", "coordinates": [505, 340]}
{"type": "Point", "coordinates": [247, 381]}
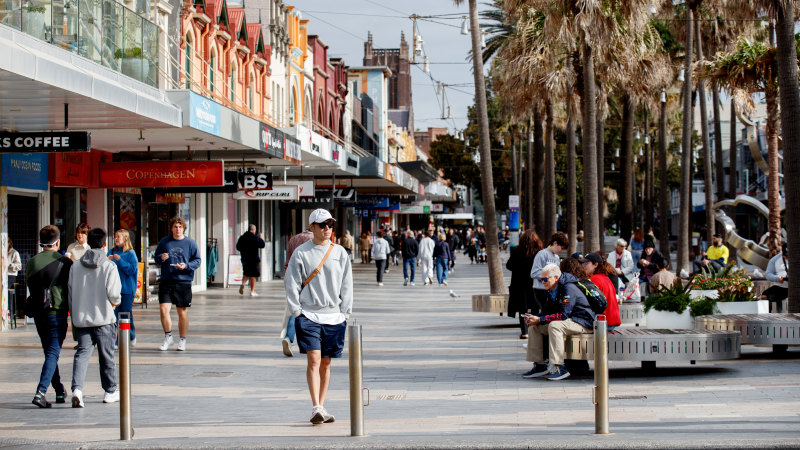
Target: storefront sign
{"type": "Point", "coordinates": [258, 181]}
{"type": "Point", "coordinates": [77, 169]}
{"type": "Point", "coordinates": [305, 188]}
{"type": "Point", "coordinates": [24, 170]}
{"type": "Point", "coordinates": [204, 114]}
{"type": "Point", "coordinates": [437, 207]}
{"type": "Point", "coordinates": [291, 150]}
{"type": "Point", "coordinates": [271, 141]}
{"type": "Point", "coordinates": [45, 142]}
{"type": "Point", "coordinates": [161, 174]}
{"type": "Point", "coordinates": [325, 196]}
{"type": "Point", "coordinates": [170, 198]}
{"type": "Point", "coordinates": [513, 201]}
{"type": "Point", "coordinates": [278, 192]}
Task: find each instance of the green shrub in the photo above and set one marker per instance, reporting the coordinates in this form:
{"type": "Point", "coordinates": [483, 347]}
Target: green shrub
{"type": "Point", "coordinates": [135, 52]}
{"type": "Point", "coordinates": [674, 298]}
{"type": "Point", "coordinates": [34, 9]}
{"type": "Point", "coordinates": [702, 306]}
{"type": "Point", "coordinates": [738, 293]}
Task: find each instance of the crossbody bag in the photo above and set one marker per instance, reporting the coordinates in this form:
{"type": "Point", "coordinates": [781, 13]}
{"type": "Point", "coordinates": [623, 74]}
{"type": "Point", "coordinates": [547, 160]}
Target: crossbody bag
{"type": "Point", "coordinates": [319, 267]}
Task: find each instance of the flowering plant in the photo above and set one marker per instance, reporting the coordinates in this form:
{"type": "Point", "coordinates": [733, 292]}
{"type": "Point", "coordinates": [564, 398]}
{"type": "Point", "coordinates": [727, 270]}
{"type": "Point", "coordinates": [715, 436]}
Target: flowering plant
{"type": "Point", "coordinates": [722, 278]}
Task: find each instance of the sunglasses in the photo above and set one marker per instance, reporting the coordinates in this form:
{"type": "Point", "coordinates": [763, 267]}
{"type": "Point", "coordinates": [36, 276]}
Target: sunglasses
{"type": "Point", "coordinates": [544, 279]}
{"type": "Point", "coordinates": [327, 224]}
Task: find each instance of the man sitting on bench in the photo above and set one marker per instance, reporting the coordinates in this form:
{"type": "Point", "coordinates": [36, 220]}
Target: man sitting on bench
{"type": "Point", "coordinates": [566, 312]}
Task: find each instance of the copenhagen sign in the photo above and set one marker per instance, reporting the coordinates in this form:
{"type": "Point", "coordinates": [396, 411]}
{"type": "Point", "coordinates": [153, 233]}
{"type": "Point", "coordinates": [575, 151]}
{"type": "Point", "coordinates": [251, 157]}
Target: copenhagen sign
{"type": "Point", "coordinates": [161, 174]}
{"type": "Point", "coordinates": [45, 142]}
{"type": "Point", "coordinates": [278, 192]}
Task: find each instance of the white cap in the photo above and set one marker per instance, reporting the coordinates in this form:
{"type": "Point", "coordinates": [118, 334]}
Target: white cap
{"type": "Point", "coordinates": [320, 215]}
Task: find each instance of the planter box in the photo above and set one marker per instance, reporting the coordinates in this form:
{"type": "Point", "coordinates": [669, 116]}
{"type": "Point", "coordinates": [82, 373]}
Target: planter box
{"type": "Point", "coordinates": [712, 293]}
{"type": "Point", "coordinates": [658, 320]}
{"type": "Point", "coordinates": [757, 307]}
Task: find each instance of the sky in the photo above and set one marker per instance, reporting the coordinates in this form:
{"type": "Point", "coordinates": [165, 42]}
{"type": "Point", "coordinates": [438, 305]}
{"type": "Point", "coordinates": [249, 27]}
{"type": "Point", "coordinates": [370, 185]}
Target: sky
{"type": "Point", "coordinates": [343, 26]}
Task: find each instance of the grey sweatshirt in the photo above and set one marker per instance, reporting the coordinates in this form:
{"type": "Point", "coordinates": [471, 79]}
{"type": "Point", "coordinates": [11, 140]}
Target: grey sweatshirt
{"type": "Point", "coordinates": [94, 290]}
{"type": "Point", "coordinates": [331, 291]}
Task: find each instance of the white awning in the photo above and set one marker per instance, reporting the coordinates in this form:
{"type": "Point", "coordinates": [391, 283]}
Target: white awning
{"type": "Point", "coordinates": [455, 216]}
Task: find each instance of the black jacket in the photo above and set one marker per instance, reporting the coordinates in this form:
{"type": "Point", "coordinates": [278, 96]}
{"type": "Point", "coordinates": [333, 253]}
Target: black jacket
{"type": "Point", "coordinates": [410, 248]}
{"type": "Point", "coordinates": [248, 246]}
{"type": "Point", "coordinates": [521, 297]}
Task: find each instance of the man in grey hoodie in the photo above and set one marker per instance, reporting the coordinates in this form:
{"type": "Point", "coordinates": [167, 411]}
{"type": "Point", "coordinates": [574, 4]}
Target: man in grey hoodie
{"type": "Point", "coordinates": [320, 301]}
{"type": "Point", "coordinates": [94, 291]}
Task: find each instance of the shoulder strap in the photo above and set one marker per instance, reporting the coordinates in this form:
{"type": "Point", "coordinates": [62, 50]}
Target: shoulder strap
{"type": "Point", "coordinates": [319, 267]}
{"type": "Point", "coordinates": [58, 273]}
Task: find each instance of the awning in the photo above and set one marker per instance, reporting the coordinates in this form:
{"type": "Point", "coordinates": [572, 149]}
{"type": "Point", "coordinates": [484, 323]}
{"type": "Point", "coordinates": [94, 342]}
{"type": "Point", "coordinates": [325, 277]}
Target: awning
{"type": "Point", "coordinates": [455, 216]}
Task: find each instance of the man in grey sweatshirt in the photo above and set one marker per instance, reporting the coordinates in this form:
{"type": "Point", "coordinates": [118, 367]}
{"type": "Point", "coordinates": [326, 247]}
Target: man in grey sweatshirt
{"type": "Point", "coordinates": [321, 302]}
{"type": "Point", "coordinates": [94, 291]}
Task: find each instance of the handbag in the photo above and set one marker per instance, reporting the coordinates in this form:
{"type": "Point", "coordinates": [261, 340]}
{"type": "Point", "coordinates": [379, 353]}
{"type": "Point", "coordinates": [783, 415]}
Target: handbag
{"type": "Point", "coordinates": [34, 307]}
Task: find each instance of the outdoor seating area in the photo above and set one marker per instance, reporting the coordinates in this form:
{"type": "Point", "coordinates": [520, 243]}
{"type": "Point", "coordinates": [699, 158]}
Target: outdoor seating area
{"type": "Point", "coordinates": [778, 330]}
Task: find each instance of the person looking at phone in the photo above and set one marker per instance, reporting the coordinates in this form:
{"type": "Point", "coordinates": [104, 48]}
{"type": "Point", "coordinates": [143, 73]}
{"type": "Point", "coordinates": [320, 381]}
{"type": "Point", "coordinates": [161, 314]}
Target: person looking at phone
{"type": "Point", "coordinates": [179, 258]}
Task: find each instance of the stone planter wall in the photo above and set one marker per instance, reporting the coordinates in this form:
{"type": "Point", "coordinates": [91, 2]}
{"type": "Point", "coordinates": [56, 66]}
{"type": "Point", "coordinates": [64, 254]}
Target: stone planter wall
{"type": "Point", "coordinates": [658, 320]}
{"type": "Point", "coordinates": [757, 307]}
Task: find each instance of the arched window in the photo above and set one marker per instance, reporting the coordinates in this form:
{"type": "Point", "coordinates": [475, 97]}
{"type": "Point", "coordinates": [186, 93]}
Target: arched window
{"type": "Point", "coordinates": [188, 63]}
{"type": "Point", "coordinates": [292, 102]}
{"type": "Point", "coordinates": [212, 69]}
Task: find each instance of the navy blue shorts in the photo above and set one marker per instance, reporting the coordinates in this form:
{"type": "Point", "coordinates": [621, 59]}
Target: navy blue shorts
{"type": "Point", "coordinates": [329, 339]}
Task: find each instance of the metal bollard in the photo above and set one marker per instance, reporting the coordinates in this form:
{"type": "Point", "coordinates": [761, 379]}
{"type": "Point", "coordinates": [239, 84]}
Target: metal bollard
{"type": "Point", "coordinates": [124, 338]}
{"type": "Point", "coordinates": [600, 390]}
{"type": "Point", "coordinates": [356, 378]}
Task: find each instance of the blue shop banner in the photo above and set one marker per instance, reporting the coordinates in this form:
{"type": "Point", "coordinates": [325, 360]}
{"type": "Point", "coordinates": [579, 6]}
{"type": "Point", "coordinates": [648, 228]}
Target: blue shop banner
{"type": "Point", "coordinates": [24, 170]}
{"type": "Point", "coordinates": [204, 114]}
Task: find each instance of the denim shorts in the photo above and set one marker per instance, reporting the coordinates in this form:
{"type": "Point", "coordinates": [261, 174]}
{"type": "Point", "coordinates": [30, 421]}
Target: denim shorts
{"type": "Point", "coordinates": [329, 339]}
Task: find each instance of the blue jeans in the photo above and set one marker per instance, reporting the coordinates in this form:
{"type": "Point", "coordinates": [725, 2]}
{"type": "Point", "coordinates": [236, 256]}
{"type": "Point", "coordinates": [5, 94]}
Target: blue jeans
{"type": "Point", "coordinates": [52, 329]}
{"type": "Point", "coordinates": [409, 262]}
{"type": "Point", "coordinates": [441, 268]}
{"type": "Point", "coordinates": [290, 328]}
{"type": "Point", "coordinates": [126, 305]}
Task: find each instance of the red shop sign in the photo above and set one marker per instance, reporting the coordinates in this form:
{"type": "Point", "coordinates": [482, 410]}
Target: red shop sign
{"type": "Point", "coordinates": [161, 174]}
{"type": "Point", "coordinates": [78, 169]}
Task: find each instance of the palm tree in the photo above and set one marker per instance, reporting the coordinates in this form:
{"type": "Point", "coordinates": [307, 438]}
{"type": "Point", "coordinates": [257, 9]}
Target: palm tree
{"type": "Point", "coordinates": [707, 175]}
{"type": "Point", "coordinates": [752, 67]}
{"type": "Point", "coordinates": [685, 204]}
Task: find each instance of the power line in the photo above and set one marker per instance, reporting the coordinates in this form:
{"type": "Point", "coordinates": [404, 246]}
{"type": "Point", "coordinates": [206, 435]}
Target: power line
{"type": "Point", "coordinates": [360, 38]}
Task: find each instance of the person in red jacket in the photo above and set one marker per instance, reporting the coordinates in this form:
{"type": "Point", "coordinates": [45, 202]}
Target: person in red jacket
{"type": "Point", "coordinates": [594, 266]}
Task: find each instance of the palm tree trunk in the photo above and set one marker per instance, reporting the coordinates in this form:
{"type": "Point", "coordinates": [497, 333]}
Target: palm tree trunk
{"type": "Point", "coordinates": [648, 173]}
{"type": "Point", "coordinates": [514, 167]}
{"type": "Point", "coordinates": [550, 177]}
{"type": "Point", "coordinates": [588, 137]}
{"type": "Point", "coordinates": [538, 167]}
{"type": "Point", "coordinates": [601, 166]}
{"type": "Point", "coordinates": [663, 194]}
{"type": "Point", "coordinates": [790, 127]}
{"type": "Point", "coordinates": [707, 170]}
{"type": "Point", "coordinates": [732, 175]}
{"type": "Point", "coordinates": [529, 191]}
{"type": "Point", "coordinates": [572, 180]}
{"type": "Point", "coordinates": [718, 165]}
{"type": "Point", "coordinates": [686, 155]}
{"type": "Point", "coordinates": [497, 284]}
{"type": "Point", "coordinates": [773, 183]}
{"type": "Point", "coordinates": [521, 165]}
{"type": "Point", "coordinates": [626, 170]}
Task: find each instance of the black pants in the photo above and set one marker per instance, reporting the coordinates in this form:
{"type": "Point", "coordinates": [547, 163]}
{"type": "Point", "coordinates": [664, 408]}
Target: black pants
{"type": "Point", "coordinates": [381, 265]}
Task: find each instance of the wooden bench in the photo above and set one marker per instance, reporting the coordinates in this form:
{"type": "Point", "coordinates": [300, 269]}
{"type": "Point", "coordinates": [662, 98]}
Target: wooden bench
{"type": "Point", "coordinates": [778, 330]}
{"type": "Point", "coordinates": [650, 346]}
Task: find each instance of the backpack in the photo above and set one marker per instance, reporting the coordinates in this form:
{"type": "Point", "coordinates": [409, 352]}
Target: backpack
{"type": "Point", "coordinates": [597, 301]}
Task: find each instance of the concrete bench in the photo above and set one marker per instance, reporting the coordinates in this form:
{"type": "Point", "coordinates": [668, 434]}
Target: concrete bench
{"type": "Point", "coordinates": [778, 330]}
{"type": "Point", "coordinates": [650, 346]}
{"type": "Point", "coordinates": [632, 314]}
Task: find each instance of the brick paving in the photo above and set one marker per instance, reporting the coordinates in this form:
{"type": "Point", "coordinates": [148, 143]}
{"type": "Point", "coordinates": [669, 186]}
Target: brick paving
{"type": "Point", "coordinates": [439, 376]}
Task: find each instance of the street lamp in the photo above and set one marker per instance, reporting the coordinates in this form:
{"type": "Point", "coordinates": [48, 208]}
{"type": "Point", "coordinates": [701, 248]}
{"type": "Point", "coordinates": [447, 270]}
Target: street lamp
{"type": "Point", "coordinates": [681, 76]}
{"type": "Point", "coordinates": [425, 66]}
{"type": "Point", "coordinates": [464, 27]}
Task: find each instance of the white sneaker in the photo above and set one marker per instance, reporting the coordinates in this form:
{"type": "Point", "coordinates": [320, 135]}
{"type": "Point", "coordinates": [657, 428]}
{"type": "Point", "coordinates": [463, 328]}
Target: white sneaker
{"type": "Point", "coordinates": [316, 415]}
{"type": "Point", "coordinates": [77, 398]}
{"type": "Point", "coordinates": [111, 397]}
{"type": "Point", "coordinates": [254, 294]}
{"type": "Point", "coordinates": [133, 342]}
{"type": "Point", "coordinates": [327, 416]}
{"type": "Point", "coordinates": [182, 345]}
{"type": "Point", "coordinates": [380, 284]}
{"type": "Point", "coordinates": [445, 282]}
{"type": "Point", "coordinates": [167, 342]}
{"type": "Point", "coordinates": [287, 347]}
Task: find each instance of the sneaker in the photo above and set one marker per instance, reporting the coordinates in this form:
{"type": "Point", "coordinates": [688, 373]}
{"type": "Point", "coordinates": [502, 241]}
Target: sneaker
{"type": "Point", "coordinates": [116, 346]}
{"type": "Point", "coordinates": [559, 374]}
{"type": "Point", "coordinates": [316, 415]}
{"type": "Point", "coordinates": [254, 294]}
{"type": "Point", "coordinates": [40, 401]}
{"type": "Point", "coordinates": [380, 284]}
{"type": "Point", "coordinates": [111, 397]}
{"type": "Point", "coordinates": [538, 370]}
{"type": "Point", "coordinates": [412, 283]}
{"type": "Point", "coordinates": [167, 342]}
{"type": "Point", "coordinates": [327, 416]}
{"type": "Point", "coordinates": [133, 342]}
{"type": "Point", "coordinates": [405, 283]}
{"type": "Point", "coordinates": [445, 282]}
{"type": "Point", "coordinates": [77, 398]}
{"type": "Point", "coordinates": [182, 345]}
{"type": "Point", "coordinates": [61, 398]}
{"type": "Point", "coordinates": [241, 289]}
{"type": "Point", "coordinates": [287, 347]}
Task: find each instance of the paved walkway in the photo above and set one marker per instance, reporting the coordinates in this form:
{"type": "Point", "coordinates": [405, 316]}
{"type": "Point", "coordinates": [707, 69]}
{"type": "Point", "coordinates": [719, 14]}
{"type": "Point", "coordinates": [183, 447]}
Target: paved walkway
{"type": "Point", "coordinates": [439, 375]}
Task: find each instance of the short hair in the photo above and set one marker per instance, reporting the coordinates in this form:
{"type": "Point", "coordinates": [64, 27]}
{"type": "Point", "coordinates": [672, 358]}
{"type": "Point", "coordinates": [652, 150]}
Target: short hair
{"type": "Point", "coordinates": [552, 270]}
{"type": "Point", "coordinates": [559, 238]}
{"type": "Point", "coordinates": [409, 233]}
{"type": "Point", "coordinates": [175, 220]}
{"type": "Point", "coordinates": [252, 225]}
{"type": "Point", "coordinates": [379, 233]}
{"type": "Point", "coordinates": [82, 227]}
{"type": "Point", "coordinates": [622, 242]}
{"type": "Point", "coordinates": [49, 234]}
{"type": "Point", "coordinates": [442, 237]}
{"type": "Point", "coordinates": [96, 238]}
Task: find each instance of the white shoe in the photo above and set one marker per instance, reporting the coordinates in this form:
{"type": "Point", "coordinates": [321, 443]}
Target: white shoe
{"type": "Point", "coordinates": [445, 282]}
{"type": "Point", "coordinates": [287, 347]}
{"type": "Point", "coordinates": [133, 342]}
{"type": "Point", "coordinates": [77, 398]}
{"type": "Point", "coordinates": [111, 397]}
{"type": "Point", "coordinates": [254, 294]}
{"type": "Point", "coordinates": [380, 284]}
{"type": "Point", "coordinates": [182, 345]}
{"type": "Point", "coordinates": [412, 283]}
{"type": "Point", "coordinates": [316, 415]}
{"type": "Point", "coordinates": [167, 342]}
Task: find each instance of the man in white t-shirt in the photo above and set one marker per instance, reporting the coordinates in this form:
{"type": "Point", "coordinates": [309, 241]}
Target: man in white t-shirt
{"type": "Point", "coordinates": [320, 301]}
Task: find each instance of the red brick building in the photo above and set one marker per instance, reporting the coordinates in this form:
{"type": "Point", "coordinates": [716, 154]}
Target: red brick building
{"type": "Point", "coordinates": [330, 91]}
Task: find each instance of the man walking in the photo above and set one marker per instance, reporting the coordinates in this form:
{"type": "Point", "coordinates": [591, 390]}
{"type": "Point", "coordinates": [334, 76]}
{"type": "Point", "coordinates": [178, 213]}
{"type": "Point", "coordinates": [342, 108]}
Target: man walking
{"type": "Point", "coordinates": [410, 251]}
{"type": "Point", "coordinates": [249, 246]}
{"type": "Point", "coordinates": [380, 253]}
{"type": "Point", "coordinates": [319, 291]}
{"type": "Point", "coordinates": [179, 258]}
{"type": "Point", "coordinates": [49, 270]}
{"type": "Point", "coordinates": [426, 246]}
{"type": "Point", "coordinates": [94, 291]}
